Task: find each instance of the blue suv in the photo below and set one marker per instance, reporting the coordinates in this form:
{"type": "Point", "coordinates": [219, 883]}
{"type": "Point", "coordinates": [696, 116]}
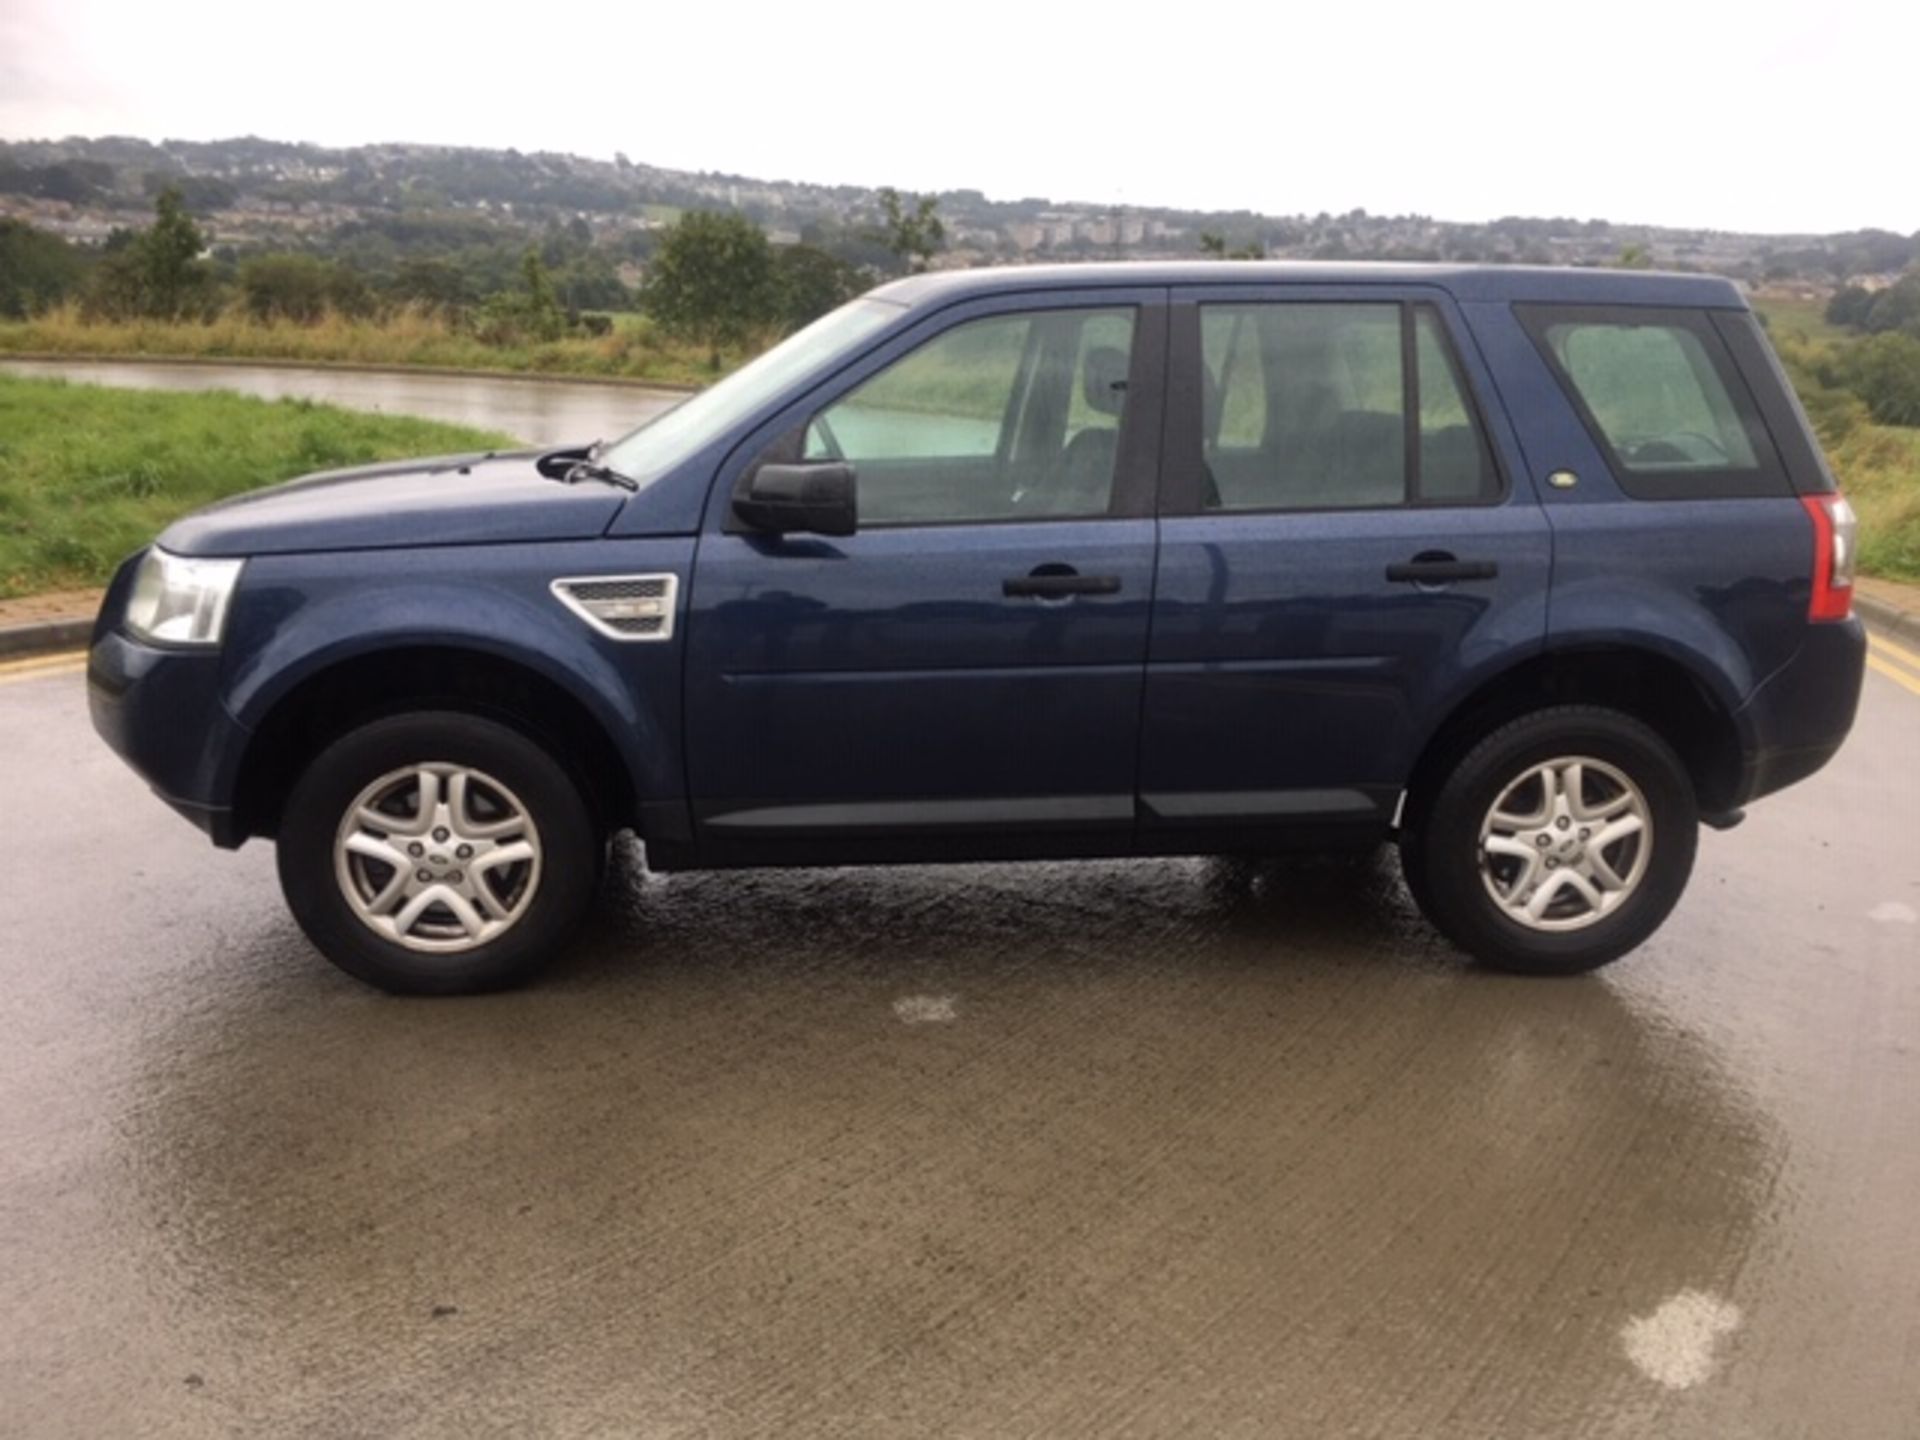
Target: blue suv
{"type": "Point", "coordinates": [1534, 571]}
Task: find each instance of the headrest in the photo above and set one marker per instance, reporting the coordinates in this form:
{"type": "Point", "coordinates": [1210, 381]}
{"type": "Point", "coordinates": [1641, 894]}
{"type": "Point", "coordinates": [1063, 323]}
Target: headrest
{"type": "Point", "coordinates": [1104, 381]}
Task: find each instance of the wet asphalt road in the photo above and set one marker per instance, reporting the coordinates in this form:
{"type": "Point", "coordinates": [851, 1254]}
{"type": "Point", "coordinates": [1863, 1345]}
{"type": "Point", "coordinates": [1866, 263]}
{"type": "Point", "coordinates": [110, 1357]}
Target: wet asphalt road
{"type": "Point", "coordinates": [541, 412]}
{"type": "Point", "coordinates": [1132, 1149]}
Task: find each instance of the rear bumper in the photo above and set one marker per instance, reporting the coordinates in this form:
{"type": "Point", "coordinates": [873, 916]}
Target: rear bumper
{"type": "Point", "coordinates": [1800, 717]}
{"type": "Point", "coordinates": [160, 711]}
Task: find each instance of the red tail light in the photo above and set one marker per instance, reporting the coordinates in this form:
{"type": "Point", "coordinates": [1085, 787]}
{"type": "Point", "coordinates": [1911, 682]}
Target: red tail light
{"type": "Point", "coordinates": [1833, 528]}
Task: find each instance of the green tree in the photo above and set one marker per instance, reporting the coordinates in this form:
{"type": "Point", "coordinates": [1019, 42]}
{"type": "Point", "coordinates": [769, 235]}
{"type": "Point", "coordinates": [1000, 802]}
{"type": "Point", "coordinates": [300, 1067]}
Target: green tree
{"type": "Point", "coordinates": [531, 313]}
{"type": "Point", "coordinates": [1884, 371]}
{"type": "Point", "coordinates": [591, 283]}
{"type": "Point", "coordinates": [157, 271]}
{"type": "Point", "coordinates": [1634, 257]}
{"type": "Point", "coordinates": [36, 269]}
{"type": "Point", "coordinates": [712, 281]}
{"type": "Point", "coordinates": [1214, 246]}
{"type": "Point", "coordinates": [435, 282]}
{"type": "Point", "coordinates": [914, 234]}
{"type": "Point", "coordinates": [544, 318]}
{"type": "Point", "coordinates": [300, 288]}
{"type": "Point", "coordinates": [811, 282]}
{"type": "Point", "coordinates": [1849, 306]}
{"type": "Point", "coordinates": [172, 279]}
{"type": "Point", "coordinates": [199, 194]}
{"type": "Point", "coordinates": [1896, 308]}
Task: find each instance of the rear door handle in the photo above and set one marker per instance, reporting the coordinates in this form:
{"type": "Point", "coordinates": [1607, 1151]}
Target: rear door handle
{"type": "Point", "coordinates": [1437, 571]}
{"type": "Point", "coordinates": [1048, 587]}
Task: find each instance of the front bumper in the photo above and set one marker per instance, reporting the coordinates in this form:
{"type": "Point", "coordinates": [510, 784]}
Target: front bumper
{"type": "Point", "coordinates": [161, 712]}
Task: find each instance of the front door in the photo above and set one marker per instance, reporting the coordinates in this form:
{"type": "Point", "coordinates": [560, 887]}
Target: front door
{"type": "Point", "coordinates": [963, 674]}
{"type": "Point", "coordinates": [1341, 556]}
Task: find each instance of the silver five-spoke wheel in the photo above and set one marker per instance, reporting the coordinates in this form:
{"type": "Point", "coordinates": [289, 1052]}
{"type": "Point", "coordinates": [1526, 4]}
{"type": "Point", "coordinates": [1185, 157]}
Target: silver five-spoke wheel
{"type": "Point", "coordinates": [1566, 843]}
{"type": "Point", "coordinates": [437, 857]}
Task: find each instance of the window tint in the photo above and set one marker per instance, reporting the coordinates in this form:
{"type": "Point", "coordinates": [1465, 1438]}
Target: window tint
{"type": "Point", "coordinates": [1655, 395]}
{"type": "Point", "coordinates": [999, 418]}
{"type": "Point", "coordinates": [1661, 395]}
{"type": "Point", "coordinates": [1306, 407]}
{"type": "Point", "coordinates": [1455, 464]}
{"type": "Point", "coordinates": [1237, 382]}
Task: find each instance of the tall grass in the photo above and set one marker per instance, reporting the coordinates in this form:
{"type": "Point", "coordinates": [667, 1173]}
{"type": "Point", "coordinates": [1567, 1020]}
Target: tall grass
{"type": "Point", "coordinates": [635, 350]}
{"type": "Point", "coordinates": [1879, 468]}
{"type": "Point", "coordinates": [88, 474]}
{"type": "Point", "coordinates": [1803, 319]}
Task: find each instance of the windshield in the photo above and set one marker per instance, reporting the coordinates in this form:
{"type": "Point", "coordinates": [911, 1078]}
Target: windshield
{"type": "Point", "coordinates": [653, 449]}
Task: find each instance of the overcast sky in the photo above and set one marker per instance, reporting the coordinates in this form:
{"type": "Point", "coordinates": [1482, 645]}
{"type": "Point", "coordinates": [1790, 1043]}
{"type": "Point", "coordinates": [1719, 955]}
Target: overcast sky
{"type": "Point", "coordinates": [1749, 116]}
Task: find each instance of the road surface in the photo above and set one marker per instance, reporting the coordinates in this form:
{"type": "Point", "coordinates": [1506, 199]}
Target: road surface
{"type": "Point", "coordinates": [1161, 1148]}
{"type": "Point", "coordinates": [541, 412]}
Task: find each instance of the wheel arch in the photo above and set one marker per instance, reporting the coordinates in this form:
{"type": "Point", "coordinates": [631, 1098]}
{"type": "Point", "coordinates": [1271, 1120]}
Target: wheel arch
{"type": "Point", "coordinates": [342, 692]}
{"type": "Point", "coordinates": [1675, 698]}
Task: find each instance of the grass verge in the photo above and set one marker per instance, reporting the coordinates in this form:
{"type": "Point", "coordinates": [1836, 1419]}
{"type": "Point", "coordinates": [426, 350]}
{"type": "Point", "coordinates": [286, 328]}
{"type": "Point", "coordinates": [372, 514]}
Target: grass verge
{"type": "Point", "coordinates": [1805, 319]}
{"type": "Point", "coordinates": [1879, 469]}
{"type": "Point", "coordinates": [88, 474]}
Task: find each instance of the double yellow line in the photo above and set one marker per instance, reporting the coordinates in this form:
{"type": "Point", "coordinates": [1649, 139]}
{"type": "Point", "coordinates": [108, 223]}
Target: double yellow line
{"type": "Point", "coordinates": [67, 662]}
{"type": "Point", "coordinates": [1896, 662]}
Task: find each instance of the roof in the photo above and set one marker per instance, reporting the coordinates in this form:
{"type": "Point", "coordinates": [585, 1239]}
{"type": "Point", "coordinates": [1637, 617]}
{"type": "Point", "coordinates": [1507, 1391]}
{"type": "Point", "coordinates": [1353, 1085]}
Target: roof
{"type": "Point", "coordinates": [1548, 284]}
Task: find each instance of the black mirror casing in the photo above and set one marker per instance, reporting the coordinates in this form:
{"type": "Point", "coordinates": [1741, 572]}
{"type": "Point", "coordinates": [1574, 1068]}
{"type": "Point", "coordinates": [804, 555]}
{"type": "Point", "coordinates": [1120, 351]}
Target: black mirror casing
{"type": "Point", "coordinates": [818, 499]}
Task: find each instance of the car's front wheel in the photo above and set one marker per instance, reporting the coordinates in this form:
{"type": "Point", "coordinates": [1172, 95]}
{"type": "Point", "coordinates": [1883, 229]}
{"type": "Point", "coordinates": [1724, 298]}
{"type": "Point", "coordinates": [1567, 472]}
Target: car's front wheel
{"type": "Point", "coordinates": [1559, 842]}
{"type": "Point", "coordinates": [437, 853]}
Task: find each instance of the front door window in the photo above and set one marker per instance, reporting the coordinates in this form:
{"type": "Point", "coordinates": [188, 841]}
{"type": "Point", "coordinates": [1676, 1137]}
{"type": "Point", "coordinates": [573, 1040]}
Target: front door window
{"type": "Point", "coordinates": [1007, 417]}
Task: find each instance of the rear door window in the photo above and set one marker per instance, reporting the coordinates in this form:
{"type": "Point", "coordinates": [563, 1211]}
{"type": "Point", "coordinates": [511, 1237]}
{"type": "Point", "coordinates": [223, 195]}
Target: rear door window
{"type": "Point", "coordinates": [1315, 405]}
{"type": "Point", "coordinates": [1455, 466]}
{"type": "Point", "coordinates": [1662, 397]}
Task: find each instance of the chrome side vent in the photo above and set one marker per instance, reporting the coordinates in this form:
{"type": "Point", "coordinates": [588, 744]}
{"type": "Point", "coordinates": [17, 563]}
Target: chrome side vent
{"type": "Point", "coordinates": [623, 607]}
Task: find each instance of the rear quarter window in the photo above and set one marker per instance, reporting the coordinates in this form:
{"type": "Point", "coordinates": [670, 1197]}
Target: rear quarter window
{"type": "Point", "coordinates": [1662, 398]}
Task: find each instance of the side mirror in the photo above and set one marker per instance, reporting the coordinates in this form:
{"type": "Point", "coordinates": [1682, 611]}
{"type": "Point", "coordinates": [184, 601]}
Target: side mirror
{"type": "Point", "coordinates": [820, 499]}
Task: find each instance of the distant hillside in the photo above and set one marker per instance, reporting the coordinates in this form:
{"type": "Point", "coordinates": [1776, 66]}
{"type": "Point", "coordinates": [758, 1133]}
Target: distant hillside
{"type": "Point", "coordinates": [266, 194]}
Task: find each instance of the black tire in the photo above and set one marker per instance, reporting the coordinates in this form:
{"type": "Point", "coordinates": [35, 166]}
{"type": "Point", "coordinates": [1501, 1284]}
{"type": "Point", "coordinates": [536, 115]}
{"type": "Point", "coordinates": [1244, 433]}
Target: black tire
{"type": "Point", "coordinates": [1440, 844]}
{"type": "Point", "coordinates": [571, 851]}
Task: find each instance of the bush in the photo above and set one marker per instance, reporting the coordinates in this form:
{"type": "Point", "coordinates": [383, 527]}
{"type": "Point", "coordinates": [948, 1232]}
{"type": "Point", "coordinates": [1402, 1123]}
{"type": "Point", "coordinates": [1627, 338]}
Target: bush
{"type": "Point", "coordinates": [36, 269]}
{"type": "Point", "coordinates": [1884, 371]}
{"type": "Point", "coordinates": [531, 314]}
{"type": "Point", "coordinates": [299, 288]}
{"type": "Point", "coordinates": [1896, 308]}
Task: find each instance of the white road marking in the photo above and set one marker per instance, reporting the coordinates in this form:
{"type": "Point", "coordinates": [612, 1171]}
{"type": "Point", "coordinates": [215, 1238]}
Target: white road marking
{"type": "Point", "coordinates": [925, 1009]}
{"type": "Point", "coordinates": [1674, 1346]}
{"type": "Point", "coordinates": [1893, 912]}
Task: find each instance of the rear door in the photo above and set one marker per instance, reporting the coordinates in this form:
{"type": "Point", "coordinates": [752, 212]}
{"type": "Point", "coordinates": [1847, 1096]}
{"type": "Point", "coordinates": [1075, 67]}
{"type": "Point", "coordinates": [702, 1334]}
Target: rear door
{"type": "Point", "coordinates": [964, 672]}
{"type": "Point", "coordinates": [1342, 555]}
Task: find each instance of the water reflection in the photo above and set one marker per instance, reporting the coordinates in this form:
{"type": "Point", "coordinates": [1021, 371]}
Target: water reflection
{"type": "Point", "coordinates": [541, 412]}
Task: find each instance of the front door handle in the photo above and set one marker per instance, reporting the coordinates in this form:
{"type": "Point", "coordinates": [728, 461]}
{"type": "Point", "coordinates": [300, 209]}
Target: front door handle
{"type": "Point", "coordinates": [1052, 585]}
{"type": "Point", "coordinates": [1440, 570]}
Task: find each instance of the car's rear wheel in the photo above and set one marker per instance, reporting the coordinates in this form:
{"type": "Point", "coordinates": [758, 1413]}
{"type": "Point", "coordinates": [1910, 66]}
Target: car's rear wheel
{"type": "Point", "coordinates": [438, 853]}
{"type": "Point", "coordinates": [1558, 843]}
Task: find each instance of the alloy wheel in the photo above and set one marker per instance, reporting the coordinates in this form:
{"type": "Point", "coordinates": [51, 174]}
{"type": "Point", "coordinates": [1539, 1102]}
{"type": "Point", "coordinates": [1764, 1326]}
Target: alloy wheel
{"type": "Point", "coordinates": [437, 857]}
{"type": "Point", "coordinates": [1565, 843]}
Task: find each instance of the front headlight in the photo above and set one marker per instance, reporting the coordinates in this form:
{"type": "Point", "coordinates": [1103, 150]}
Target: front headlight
{"type": "Point", "coordinates": [178, 600]}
